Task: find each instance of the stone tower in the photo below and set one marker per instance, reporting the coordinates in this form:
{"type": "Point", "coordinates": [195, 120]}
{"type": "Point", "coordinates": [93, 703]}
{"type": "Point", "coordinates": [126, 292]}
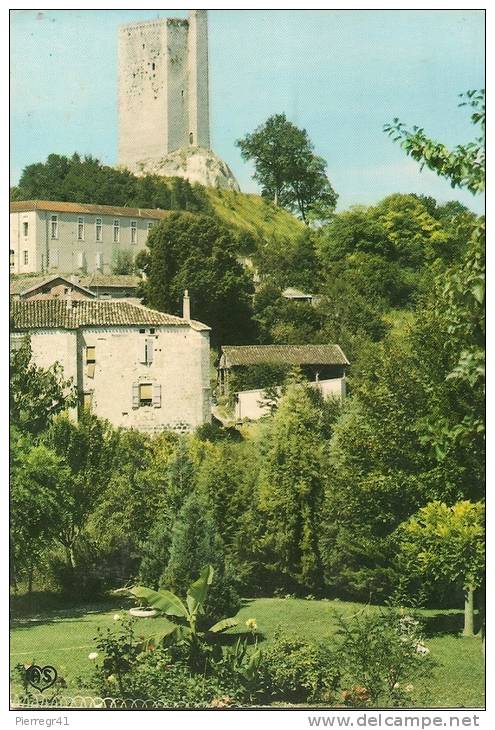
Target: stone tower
{"type": "Point", "coordinates": [163, 87]}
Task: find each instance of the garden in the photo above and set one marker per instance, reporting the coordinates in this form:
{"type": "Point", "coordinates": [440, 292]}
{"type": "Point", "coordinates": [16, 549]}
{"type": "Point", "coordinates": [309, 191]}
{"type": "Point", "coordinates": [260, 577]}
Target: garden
{"type": "Point", "coordinates": [282, 652]}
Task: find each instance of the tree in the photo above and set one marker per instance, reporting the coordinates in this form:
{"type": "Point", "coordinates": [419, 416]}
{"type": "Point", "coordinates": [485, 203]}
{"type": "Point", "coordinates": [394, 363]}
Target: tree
{"type": "Point", "coordinates": [288, 170]}
{"type": "Point", "coordinates": [447, 543]}
{"type": "Point", "coordinates": [88, 449]}
{"type": "Point", "coordinates": [464, 166]}
{"type": "Point", "coordinates": [199, 254]}
{"type": "Point", "coordinates": [196, 542]}
{"type": "Point", "coordinates": [123, 262]}
{"type": "Point", "coordinates": [86, 180]}
{"type": "Point", "coordinates": [459, 305]}
{"type": "Point", "coordinates": [291, 489]}
{"type": "Point", "coordinates": [36, 394]}
{"type": "Point", "coordinates": [38, 501]}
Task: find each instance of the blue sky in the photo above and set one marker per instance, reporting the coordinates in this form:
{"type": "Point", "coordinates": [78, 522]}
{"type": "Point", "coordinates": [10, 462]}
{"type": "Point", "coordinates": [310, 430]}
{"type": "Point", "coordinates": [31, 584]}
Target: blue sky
{"type": "Point", "coordinates": [340, 74]}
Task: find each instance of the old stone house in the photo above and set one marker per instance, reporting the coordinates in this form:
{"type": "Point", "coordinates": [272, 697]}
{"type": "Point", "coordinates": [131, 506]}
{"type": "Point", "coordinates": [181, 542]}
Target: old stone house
{"type": "Point", "coordinates": [59, 237]}
{"type": "Point", "coordinates": [324, 366]}
{"type": "Point", "coordinates": [137, 367]}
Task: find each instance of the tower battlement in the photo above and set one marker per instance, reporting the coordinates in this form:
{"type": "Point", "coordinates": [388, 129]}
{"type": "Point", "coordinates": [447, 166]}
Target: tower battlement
{"type": "Point", "coordinates": [163, 87]}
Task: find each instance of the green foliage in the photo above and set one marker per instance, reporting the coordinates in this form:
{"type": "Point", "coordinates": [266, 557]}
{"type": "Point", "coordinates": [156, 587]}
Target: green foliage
{"type": "Point", "coordinates": [288, 170]}
{"type": "Point", "coordinates": [446, 543]}
{"type": "Point", "coordinates": [138, 495]}
{"type": "Point", "coordinates": [86, 180]}
{"type": "Point", "coordinates": [38, 502]}
{"type": "Point", "coordinates": [465, 165]}
{"type": "Point", "coordinates": [36, 394]}
{"type": "Point", "coordinates": [293, 669]}
{"type": "Point", "coordinates": [380, 654]}
{"type": "Point", "coordinates": [184, 631]}
{"type": "Point", "coordinates": [127, 668]}
{"type": "Point", "coordinates": [291, 489]}
{"type": "Point", "coordinates": [123, 262]}
{"type": "Point", "coordinates": [197, 253]}
{"type": "Point", "coordinates": [88, 449]}
{"type": "Point", "coordinates": [196, 542]}
{"type": "Point", "coordinates": [155, 551]}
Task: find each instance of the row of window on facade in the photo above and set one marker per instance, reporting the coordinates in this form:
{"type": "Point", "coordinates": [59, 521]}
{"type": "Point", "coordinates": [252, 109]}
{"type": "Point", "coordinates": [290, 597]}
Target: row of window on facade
{"type": "Point", "coordinates": [98, 229]}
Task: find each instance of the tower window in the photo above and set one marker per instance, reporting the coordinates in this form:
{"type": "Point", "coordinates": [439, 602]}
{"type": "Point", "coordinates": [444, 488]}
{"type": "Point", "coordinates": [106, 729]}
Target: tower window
{"type": "Point", "coordinates": [191, 138]}
{"type": "Point", "coordinates": [153, 66]}
{"type": "Point", "coordinates": [25, 227]}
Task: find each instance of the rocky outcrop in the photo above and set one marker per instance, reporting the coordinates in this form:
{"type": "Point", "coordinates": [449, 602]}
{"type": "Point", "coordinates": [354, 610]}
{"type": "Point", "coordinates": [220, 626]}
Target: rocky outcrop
{"type": "Point", "coordinates": [196, 164]}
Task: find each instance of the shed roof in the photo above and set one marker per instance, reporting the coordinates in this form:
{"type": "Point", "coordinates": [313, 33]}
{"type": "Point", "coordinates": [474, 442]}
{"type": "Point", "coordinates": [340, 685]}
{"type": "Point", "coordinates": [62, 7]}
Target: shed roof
{"type": "Point", "coordinates": [292, 293]}
{"type": "Point", "coordinates": [28, 314]}
{"type": "Point", "coordinates": [65, 206]}
{"type": "Point", "coordinates": [237, 356]}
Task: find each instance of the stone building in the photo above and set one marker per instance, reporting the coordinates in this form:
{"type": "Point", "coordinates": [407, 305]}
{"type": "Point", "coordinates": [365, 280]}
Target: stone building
{"type": "Point", "coordinates": [134, 366]}
{"type": "Point", "coordinates": [50, 236]}
{"type": "Point", "coordinates": [324, 366]}
{"type": "Point", "coordinates": [163, 87]}
{"type": "Point", "coordinates": [163, 101]}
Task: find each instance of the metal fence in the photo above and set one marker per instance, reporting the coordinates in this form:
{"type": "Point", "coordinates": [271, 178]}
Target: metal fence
{"type": "Point", "coordinates": [82, 702]}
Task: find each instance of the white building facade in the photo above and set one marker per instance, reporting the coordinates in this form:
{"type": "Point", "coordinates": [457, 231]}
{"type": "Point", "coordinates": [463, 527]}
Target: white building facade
{"type": "Point", "coordinates": [60, 237]}
{"type": "Point", "coordinates": [134, 366]}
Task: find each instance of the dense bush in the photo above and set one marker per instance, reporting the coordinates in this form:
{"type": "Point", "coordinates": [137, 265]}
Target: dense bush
{"type": "Point", "coordinates": [292, 669]}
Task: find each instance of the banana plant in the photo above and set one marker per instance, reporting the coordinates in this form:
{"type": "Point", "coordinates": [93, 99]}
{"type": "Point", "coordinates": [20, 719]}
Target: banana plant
{"type": "Point", "coordinates": [168, 604]}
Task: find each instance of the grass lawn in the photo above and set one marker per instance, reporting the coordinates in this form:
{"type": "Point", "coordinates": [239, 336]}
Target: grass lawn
{"type": "Point", "coordinates": [64, 638]}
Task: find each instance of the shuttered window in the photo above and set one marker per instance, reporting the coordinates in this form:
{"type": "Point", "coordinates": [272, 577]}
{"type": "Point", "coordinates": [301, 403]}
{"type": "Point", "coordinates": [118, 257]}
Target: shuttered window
{"type": "Point", "coordinates": [90, 354]}
{"type": "Point", "coordinates": [157, 395]}
{"type": "Point", "coordinates": [147, 351]}
{"type": "Point", "coordinates": [145, 394]}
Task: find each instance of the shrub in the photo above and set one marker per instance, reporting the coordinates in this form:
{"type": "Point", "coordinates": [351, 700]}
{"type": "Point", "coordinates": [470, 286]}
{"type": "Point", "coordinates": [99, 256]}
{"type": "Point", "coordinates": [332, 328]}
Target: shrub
{"type": "Point", "coordinates": [380, 655]}
{"type": "Point", "coordinates": [127, 668]}
{"type": "Point", "coordinates": [298, 670]}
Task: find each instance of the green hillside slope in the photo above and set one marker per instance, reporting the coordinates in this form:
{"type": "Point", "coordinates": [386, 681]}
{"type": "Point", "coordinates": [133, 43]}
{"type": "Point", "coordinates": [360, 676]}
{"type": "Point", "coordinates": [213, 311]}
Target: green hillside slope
{"type": "Point", "coordinates": [254, 214]}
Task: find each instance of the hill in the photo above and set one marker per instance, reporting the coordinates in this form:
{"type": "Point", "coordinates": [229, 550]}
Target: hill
{"type": "Point", "coordinates": [253, 214]}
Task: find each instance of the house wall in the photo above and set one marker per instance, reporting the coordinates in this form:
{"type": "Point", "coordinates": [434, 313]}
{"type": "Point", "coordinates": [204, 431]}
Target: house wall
{"type": "Point", "coordinates": [180, 366]}
{"type": "Point", "coordinates": [249, 403]}
{"type": "Point", "coordinates": [19, 243]}
{"type": "Point", "coordinates": [66, 253]}
{"type": "Point", "coordinates": [56, 345]}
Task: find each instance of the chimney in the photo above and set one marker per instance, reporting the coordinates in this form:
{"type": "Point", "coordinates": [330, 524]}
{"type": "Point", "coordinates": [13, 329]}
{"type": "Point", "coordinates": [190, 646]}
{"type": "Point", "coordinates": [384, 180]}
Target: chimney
{"type": "Point", "coordinates": [186, 306]}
